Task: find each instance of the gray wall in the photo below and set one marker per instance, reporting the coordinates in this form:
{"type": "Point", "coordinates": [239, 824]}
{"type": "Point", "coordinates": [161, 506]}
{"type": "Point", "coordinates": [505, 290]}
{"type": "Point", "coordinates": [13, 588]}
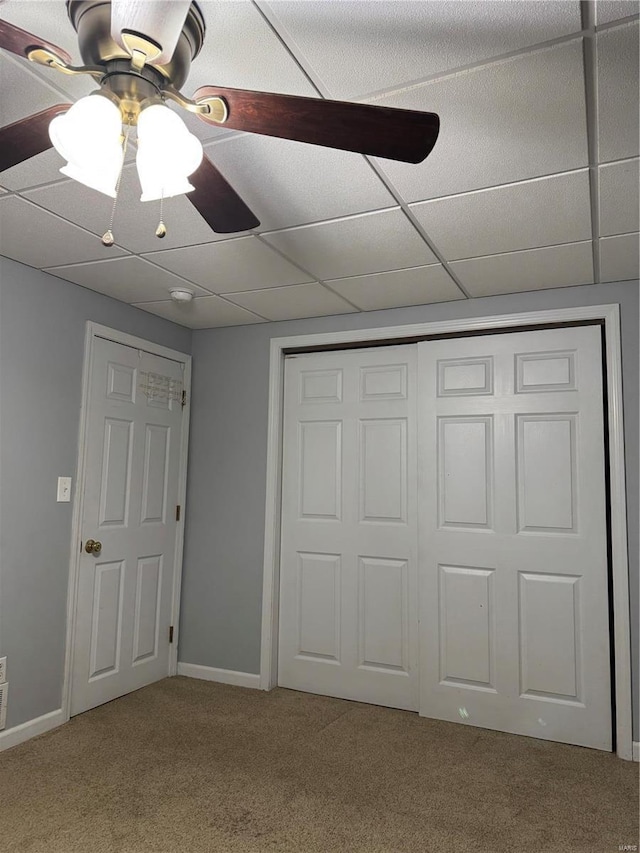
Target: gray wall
{"type": "Point", "coordinates": [42, 328]}
{"type": "Point", "coordinates": [222, 582]}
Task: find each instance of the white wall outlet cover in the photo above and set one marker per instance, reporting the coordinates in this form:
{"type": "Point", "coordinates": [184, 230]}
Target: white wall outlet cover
{"type": "Point", "coordinates": [3, 669]}
{"type": "Point", "coordinates": [64, 489]}
{"type": "Point", "coordinates": [4, 696]}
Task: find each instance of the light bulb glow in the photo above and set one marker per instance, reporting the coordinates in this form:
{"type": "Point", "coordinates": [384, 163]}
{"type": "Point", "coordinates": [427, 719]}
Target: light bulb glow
{"type": "Point", "coordinates": [88, 136]}
{"type": "Point", "coordinates": [167, 153]}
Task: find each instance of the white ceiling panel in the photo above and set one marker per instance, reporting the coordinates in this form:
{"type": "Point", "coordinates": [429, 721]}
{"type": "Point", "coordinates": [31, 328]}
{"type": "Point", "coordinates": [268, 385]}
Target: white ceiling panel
{"type": "Point", "coordinates": [289, 183]}
{"type": "Point", "coordinates": [242, 51]}
{"type": "Point", "coordinates": [618, 92]}
{"type": "Point", "coordinates": [361, 47]}
{"type": "Point", "coordinates": [619, 258]}
{"type": "Point", "coordinates": [292, 303]}
{"type": "Point", "coordinates": [613, 10]}
{"type": "Point", "coordinates": [619, 197]}
{"type": "Point", "coordinates": [28, 94]}
{"type": "Point", "coordinates": [231, 265]}
{"type": "Point", "coordinates": [400, 288]}
{"type": "Point", "coordinates": [44, 168]}
{"type": "Point", "coordinates": [135, 222]}
{"type": "Point", "coordinates": [541, 212]}
{"type": "Point", "coordinates": [372, 242]}
{"type": "Point", "coordinates": [49, 20]}
{"type": "Point", "coordinates": [536, 269]}
{"type": "Point", "coordinates": [206, 312]}
{"type": "Point", "coordinates": [502, 123]}
{"type": "Point", "coordinates": [130, 279]}
{"type": "Point", "coordinates": [40, 239]}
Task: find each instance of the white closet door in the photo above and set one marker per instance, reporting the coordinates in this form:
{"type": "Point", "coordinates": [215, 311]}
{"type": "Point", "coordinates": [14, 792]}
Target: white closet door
{"type": "Point", "coordinates": [348, 590]}
{"type": "Point", "coordinates": [514, 630]}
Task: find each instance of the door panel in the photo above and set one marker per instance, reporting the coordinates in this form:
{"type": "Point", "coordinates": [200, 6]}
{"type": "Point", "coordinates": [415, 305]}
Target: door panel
{"type": "Point", "coordinates": [513, 545]}
{"type": "Point", "coordinates": [134, 423]}
{"type": "Point", "coordinates": [348, 583]}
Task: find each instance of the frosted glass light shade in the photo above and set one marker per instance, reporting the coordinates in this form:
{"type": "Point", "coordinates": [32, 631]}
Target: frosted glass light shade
{"type": "Point", "coordinates": [88, 136]}
{"type": "Point", "coordinates": [103, 178]}
{"type": "Point", "coordinates": [167, 153]}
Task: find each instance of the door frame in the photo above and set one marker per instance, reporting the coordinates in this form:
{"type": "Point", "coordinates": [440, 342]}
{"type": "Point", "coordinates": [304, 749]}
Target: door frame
{"type": "Point", "coordinates": [92, 332]}
{"type": "Point", "coordinates": [609, 315]}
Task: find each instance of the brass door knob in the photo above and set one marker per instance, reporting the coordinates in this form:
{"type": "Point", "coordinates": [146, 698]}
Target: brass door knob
{"type": "Point", "coordinates": [91, 546]}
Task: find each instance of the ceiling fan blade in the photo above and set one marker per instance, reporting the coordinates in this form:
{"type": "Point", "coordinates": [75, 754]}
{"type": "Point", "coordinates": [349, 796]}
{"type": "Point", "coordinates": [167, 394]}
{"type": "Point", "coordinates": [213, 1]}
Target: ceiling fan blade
{"type": "Point", "coordinates": [160, 20]}
{"type": "Point", "coordinates": [21, 42]}
{"type": "Point", "coordinates": [217, 202]}
{"type": "Point", "coordinates": [26, 138]}
{"type": "Point", "coordinates": [396, 134]}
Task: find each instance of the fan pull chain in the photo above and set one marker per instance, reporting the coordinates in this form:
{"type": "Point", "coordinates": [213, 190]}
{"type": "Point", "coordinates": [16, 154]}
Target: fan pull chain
{"type": "Point", "coordinates": [107, 237]}
{"type": "Point", "coordinates": [161, 230]}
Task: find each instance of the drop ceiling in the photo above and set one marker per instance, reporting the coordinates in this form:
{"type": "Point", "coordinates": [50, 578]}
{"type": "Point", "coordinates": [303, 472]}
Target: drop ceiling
{"type": "Point", "coordinates": [532, 184]}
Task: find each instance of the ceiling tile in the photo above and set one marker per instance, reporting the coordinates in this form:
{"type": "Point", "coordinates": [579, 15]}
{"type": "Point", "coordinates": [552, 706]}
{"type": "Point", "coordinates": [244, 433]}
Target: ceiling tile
{"type": "Point", "coordinates": [536, 269]}
{"type": "Point", "coordinates": [48, 19]}
{"type": "Point", "coordinates": [135, 222]}
{"type": "Point", "coordinates": [129, 279]}
{"type": "Point", "coordinates": [619, 197]}
{"type": "Point", "coordinates": [22, 93]}
{"type": "Point", "coordinates": [206, 312]}
{"type": "Point", "coordinates": [40, 239]}
{"type": "Point", "coordinates": [506, 122]}
{"type": "Point", "coordinates": [231, 265]}
{"type": "Point", "coordinates": [417, 286]}
{"type": "Point", "coordinates": [289, 183]}
{"type": "Point", "coordinates": [535, 213]}
{"type": "Point", "coordinates": [613, 10]}
{"type": "Point", "coordinates": [618, 92]}
{"type": "Point", "coordinates": [357, 245]}
{"type": "Point", "coordinates": [293, 303]}
{"type": "Point", "coordinates": [619, 258]}
{"type": "Point", "coordinates": [242, 51]}
{"type": "Point", "coordinates": [44, 168]}
{"type": "Point", "coordinates": [362, 47]}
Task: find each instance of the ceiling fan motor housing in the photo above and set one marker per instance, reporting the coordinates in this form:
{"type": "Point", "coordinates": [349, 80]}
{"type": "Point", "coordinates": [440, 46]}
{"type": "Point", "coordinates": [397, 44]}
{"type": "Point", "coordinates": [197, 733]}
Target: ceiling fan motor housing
{"type": "Point", "coordinates": [92, 21]}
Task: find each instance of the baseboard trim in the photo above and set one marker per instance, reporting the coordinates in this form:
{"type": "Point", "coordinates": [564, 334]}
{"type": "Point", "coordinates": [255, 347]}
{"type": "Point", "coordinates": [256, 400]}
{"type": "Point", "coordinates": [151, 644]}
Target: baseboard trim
{"type": "Point", "coordinates": [636, 750]}
{"type": "Point", "coordinates": [25, 731]}
{"type": "Point", "coordinates": [224, 676]}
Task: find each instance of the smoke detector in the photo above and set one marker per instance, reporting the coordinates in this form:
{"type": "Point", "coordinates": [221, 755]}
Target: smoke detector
{"type": "Point", "coordinates": [181, 294]}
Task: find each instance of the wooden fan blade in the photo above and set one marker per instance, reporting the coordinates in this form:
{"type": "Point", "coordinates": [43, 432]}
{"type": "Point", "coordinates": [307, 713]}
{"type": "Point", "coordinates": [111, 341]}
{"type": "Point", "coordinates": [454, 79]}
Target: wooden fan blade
{"type": "Point", "coordinates": [217, 202]}
{"type": "Point", "coordinates": [21, 42]}
{"type": "Point", "coordinates": [396, 134]}
{"type": "Point", "coordinates": [26, 138]}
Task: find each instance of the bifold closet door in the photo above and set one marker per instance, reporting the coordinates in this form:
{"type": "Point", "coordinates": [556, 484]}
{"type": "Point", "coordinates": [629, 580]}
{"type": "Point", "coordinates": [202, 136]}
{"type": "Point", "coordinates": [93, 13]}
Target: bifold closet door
{"type": "Point", "coordinates": [514, 631]}
{"type": "Point", "coordinates": [348, 576]}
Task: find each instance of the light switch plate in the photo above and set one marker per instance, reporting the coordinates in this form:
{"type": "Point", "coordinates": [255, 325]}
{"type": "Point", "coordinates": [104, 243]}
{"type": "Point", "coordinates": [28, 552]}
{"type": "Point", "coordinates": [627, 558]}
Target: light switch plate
{"type": "Point", "coordinates": [3, 669]}
{"type": "Point", "coordinates": [64, 489]}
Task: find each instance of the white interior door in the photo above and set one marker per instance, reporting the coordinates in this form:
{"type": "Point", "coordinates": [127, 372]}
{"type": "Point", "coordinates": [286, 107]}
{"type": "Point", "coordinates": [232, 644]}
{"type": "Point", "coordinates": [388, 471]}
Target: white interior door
{"type": "Point", "coordinates": [348, 591]}
{"type": "Point", "coordinates": [513, 547]}
{"type": "Point", "coordinates": [134, 424]}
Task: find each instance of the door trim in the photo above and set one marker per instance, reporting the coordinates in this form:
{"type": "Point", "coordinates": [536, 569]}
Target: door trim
{"type": "Point", "coordinates": [93, 331]}
{"type": "Point", "coordinates": [610, 316]}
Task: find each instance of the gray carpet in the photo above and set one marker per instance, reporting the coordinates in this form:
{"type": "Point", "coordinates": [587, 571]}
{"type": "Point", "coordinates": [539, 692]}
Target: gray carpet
{"type": "Point", "coordinates": [188, 766]}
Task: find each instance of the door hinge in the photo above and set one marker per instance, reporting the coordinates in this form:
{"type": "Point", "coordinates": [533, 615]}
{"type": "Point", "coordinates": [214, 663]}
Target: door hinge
{"type": "Point", "coordinates": [171, 633]}
{"type": "Point", "coordinates": [184, 398]}
{"type": "Point", "coordinates": [177, 512]}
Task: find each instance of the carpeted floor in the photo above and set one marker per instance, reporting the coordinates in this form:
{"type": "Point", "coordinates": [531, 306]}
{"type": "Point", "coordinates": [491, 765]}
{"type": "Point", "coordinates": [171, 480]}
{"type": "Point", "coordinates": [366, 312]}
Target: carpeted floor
{"type": "Point", "coordinates": [188, 766]}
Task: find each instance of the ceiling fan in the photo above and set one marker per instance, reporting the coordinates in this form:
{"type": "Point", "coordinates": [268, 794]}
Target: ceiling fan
{"type": "Point", "coordinates": [140, 53]}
